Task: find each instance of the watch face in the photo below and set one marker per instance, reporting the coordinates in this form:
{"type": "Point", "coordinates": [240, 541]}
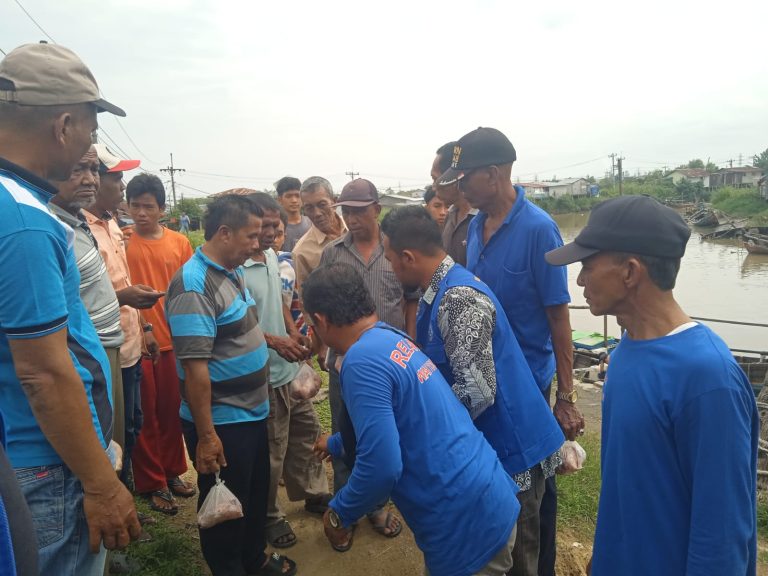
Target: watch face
{"type": "Point", "coordinates": [333, 518]}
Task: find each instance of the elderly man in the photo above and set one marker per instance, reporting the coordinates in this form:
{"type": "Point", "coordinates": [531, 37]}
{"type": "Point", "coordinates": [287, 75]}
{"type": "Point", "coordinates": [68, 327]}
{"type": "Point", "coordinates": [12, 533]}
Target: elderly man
{"type": "Point", "coordinates": [460, 213]}
{"type": "Point", "coordinates": [101, 218]}
{"type": "Point", "coordinates": [223, 368]}
{"type": "Point", "coordinates": [363, 249]}
{"type": "Point", "coordinates": [414, 439]}
{"type": "Point", "coordinates": [680, 424]}
{"type": "Point", "coordinates": [506, 243]}
{"type": "Point", "coordinates": [317, 200]}
{"type": "Point", "coordinates": [54, 373]}
{"type": "Point", "coordinates": [292, 425]}
{"type": "Point", "coordinates": [463, 329]}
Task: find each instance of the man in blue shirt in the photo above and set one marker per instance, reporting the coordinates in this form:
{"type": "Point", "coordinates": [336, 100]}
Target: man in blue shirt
{"type": "Point", "coordinates": [506, 243]}
{"type": "Point", "coordinates": [680, 424]}
{"type": "Point", "coordinates": [54, 375]}
{"type": "Point", "coordinates": [414, 440]}
{"type": "Point", "coordinates": [464, 331]}
{"type": "Point", "coordinates": [222, 362]}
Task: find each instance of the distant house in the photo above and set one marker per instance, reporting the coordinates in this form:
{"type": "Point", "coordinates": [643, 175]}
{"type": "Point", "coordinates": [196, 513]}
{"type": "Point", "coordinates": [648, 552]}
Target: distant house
{"type": "Point", "coordinates": [535, 190]}
{"type": "Point", "coordinates": [392, 200]}
{"type": "Point", "coordinates": [567, 187]}
{"type": "Point", "coordinates": [739, 177]}
{"type": "Point", "coordinates": [693, 175]}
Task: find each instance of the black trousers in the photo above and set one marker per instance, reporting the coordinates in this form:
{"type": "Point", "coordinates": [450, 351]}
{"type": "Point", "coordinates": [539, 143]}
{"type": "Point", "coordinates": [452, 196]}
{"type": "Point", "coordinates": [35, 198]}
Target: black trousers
{"type": "Point", "coordinates": [548, 521]}
{"type": "Point", "coordinates": [237, 546]}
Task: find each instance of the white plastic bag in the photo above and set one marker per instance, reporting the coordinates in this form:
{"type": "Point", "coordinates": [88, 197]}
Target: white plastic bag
{"type": "Point", "coordinates": [306, 384]}
{"type": "Point", "coordinates": [219, 506]}
{"type": "Point", "coordinates": [573, 456]}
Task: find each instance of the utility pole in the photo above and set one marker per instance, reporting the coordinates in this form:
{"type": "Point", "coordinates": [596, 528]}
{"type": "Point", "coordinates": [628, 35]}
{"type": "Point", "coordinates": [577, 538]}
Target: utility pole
{"type": "Point", "coordinates": [171, 170]}
{"type": "Point", "coordinates": [740, 159]}
{"type": "Point", "coordinates": [621, 174]}
{"type": "Point", "coordinates": [613, 168]}
{"type": "Point", "coordinates": [730, 162]}
{"type": "Point", "coordinates": [352, 174]}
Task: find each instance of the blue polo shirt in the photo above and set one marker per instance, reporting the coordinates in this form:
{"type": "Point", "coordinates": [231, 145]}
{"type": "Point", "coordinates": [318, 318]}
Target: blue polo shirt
{"type": "Point", "coordinates": [212, 316]}
{"type": "Point", "coordinates": [512, 264]}
{"type": "Point", "coordinates": [39, 295]}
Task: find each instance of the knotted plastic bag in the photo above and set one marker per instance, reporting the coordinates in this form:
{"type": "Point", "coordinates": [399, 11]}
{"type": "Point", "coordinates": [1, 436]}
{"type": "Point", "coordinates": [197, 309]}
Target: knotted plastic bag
{"type": "Point", "coordinates": [219, 506]}
{"type": "Point", "coordinates": [573, 456]}
{"type": "Point", "coordinates": [306, 384]}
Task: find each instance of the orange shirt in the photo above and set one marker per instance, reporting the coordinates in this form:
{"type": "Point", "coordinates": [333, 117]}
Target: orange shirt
{"type": "Point", "coordinates": [112, 248]}
{"type": "Point", "coordinates": [154, 263]}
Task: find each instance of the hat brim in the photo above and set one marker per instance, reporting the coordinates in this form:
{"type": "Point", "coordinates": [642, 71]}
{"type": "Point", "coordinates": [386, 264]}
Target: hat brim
{"type": "Point", "coordinates": [124, 166]}
{"type": "Point", "coordinates": [450, 176]}
{"type": "Point", "coordinates": [569, 254]}
{"type": "Point", "coordinates": [104, 106]}
{"type": "Point", "coordinates": [355, 203]}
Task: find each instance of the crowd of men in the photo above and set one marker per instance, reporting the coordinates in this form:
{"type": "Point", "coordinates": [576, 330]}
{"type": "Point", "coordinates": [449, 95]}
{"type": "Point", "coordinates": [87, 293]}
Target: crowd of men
{"type": "Point", "coordinates": [443, 329]}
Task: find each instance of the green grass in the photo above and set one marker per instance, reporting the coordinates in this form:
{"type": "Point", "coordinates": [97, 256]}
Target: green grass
{"type": "Point", "coordinates": [577, 494]}
{"type": "Point", "coordinates": [173, 551]}
{"type": "Point", "coordinates": [744, 202]}
{"type": "Point", "coordinates": [762, 515]}
{"type": "Point", "coordinates": [196, 238]}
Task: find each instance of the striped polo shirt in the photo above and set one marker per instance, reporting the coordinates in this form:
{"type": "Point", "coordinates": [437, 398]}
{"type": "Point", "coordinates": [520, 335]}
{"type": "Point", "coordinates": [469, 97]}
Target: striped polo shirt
{"type": "Point", "coordinates": [39, 295]}
{"type": "Point", "coordinates": [96, 288]}
{"type": "Point", "coordinates": [213, 317]}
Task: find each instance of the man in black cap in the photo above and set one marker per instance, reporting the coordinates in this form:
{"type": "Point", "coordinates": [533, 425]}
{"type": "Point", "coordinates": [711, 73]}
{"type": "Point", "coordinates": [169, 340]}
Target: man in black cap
{"type": "Point", "coordinates": [54, 376]}
{"type": "Point", "coordinates": [680, 424]}
{"type": "Point", "coordinates": [506, 243]}
{"type": "Point", "coordinates": [362, 247]}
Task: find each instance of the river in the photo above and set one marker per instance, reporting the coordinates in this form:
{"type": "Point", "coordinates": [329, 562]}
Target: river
{"type": "Point", "coordinates": [718, 279]}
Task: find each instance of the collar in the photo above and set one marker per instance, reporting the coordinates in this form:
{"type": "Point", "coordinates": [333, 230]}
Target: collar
{"type": "Point", "coordinates": [208, 262]}
{"type": "Point", "coordinates": [517, 207]}
{"type": "Point", "coordinates": [250, 262]}
{"type": "Point", "coordinates": [434, 283]}
{"type": "Point", "coordinates": [91, 218]}
{"type": "Point", "coordinates": [348, 241]}
{"type": "Point", "coordinates": [28, 177]}
{"type": "Point", "coordinates": [319, 236]}
{"type": "Point", "coordinates": [68, 218]}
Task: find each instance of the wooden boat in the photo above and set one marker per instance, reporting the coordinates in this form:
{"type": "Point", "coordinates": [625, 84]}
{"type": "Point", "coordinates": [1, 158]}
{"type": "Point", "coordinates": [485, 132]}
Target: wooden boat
{"type": "Point", "coordinates": [756, 243]}
{"type": "Point", "coordinates": [704, 218]}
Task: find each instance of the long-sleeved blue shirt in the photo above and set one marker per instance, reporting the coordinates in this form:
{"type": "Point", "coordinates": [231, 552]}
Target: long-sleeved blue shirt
{"type": "Point", "coordinates": [417, 444]}
{"type": "Point", "coordinates": [679, 461]}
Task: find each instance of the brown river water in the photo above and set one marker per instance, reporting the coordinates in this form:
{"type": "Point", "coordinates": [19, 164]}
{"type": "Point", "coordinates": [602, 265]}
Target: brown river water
{"type": "Point", "coordinates": [718, 279]}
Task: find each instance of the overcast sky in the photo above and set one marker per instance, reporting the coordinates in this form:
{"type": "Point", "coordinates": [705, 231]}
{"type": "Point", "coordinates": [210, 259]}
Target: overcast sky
{"type": "Point", "coordinates": [259, 90]}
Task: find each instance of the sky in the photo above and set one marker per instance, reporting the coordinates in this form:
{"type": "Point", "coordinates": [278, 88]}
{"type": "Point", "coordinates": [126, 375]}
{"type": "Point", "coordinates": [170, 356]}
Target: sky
{"type": "Point", "coordinates": [243, 93]}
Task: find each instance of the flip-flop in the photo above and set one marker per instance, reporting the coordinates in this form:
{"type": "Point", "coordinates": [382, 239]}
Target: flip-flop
{"type": "Point", "coordinates": [180, 488]}
{"type": "Point", "coordinates": [280, 530]}
{"type": "Point", "coordinates": [163, 495]}
{"type": "Point", "coordinates": [318, 504]}
{"type": "Point", "coordinates": [274, 566]}
{"type": "Point", "coordinates": [348, 545]}
{"type": "Point", "coordinates": [382, 527]}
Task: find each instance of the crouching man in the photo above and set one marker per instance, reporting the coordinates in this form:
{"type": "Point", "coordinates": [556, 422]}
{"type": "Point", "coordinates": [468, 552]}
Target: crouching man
{"type": "Point", "coordinates": [412, 439]}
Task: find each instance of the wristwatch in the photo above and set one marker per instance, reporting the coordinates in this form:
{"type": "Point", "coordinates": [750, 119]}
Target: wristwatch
{"type": "Point", "coordinates": [147, 327]}
{"type": "Point", "coordinates": [334, 519]}
{"type": "Point", "coordinates": [571, 396]}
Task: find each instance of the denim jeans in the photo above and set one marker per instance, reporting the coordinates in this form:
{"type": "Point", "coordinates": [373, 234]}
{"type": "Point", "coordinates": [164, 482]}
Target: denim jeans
{"type": "Point", "coordinates": [55, 499]}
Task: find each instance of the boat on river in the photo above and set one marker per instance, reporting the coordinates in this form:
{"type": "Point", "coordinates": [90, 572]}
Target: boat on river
{"type": "Point", "coordinates": [704, 218]}
{"type": "Point", "coordinates": [756, 243]}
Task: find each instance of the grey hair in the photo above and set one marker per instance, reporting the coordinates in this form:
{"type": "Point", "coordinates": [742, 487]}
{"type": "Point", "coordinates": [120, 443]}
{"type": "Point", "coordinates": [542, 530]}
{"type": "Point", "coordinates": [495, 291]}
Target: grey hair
{"type": "Point", "coordinates": [314, 182]}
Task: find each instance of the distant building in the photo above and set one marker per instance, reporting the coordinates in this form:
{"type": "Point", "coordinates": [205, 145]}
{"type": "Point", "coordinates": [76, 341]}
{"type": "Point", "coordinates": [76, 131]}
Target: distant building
{"type": "Point", "coordinates": [693, 175]}
{"type": "Point", "coordinates": [739, 177]}
{"type": "Point", "coordinates": [392, 200]}
{"type": "Point", "coordinates": [535, 190]}
{"type": "Point", "coordinates": [567, 187]}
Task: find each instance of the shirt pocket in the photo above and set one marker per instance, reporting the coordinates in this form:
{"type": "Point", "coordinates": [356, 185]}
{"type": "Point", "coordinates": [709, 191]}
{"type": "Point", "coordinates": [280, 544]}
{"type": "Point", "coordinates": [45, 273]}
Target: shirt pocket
{"type": "Point", "coordinates": [517, 292]}
{"type": "Point", "coordinates": [43, 489]}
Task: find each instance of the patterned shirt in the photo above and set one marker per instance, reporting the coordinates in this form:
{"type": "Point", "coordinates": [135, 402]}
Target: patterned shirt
{"type": "Point", "coordinates": [466, 319]}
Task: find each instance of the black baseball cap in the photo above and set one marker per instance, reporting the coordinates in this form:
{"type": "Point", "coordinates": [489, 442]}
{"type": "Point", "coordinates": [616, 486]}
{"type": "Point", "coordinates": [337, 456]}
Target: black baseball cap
{"type": "Point", "coordinates": [479, 148]}
{"type": "Point", "coordinates": [358, 194]}
{"type": "Point", "coordinates": [634, 224]}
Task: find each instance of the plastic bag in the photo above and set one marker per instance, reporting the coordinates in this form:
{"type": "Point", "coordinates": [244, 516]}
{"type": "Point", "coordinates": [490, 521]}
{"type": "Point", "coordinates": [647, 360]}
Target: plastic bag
{"type": "Point", "coordinates": [115, 455]}
{"type": "Point", "coordinates": [573, 456]}
{"type": "Point", "coordinates": [219, 506]}
{"type": "Point", "coordinates": [306, 384]}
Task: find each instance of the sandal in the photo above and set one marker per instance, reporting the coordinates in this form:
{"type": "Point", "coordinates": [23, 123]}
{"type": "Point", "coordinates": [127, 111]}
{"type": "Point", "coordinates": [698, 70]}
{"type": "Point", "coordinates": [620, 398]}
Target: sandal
{"type": "Point", "coordinates": [318, 504]}
{"type": "Point", "coordinates": [348, 545]}
{"type": "Point", "coordinates": [382, 527]}
{"type": "Point", "coordinates": [280, 534]}
{"type": "Point", "coordinates": [180, 488]}
{"type": "Point", "coordinates": [167, 497]}
{"type": "Point", "coordinates": [274, 566]}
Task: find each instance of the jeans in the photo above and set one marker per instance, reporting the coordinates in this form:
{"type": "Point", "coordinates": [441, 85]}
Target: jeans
{"type": "Point", "coordinates": [55, 499]}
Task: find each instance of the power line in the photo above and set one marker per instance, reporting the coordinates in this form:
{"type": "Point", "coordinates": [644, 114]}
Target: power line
{"type": "Point", "coordinates": [3, 51]}
{"type": "Point", "coordinates": [35, 22]}
{"type": "Point", "coordinates": [171, 170]}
